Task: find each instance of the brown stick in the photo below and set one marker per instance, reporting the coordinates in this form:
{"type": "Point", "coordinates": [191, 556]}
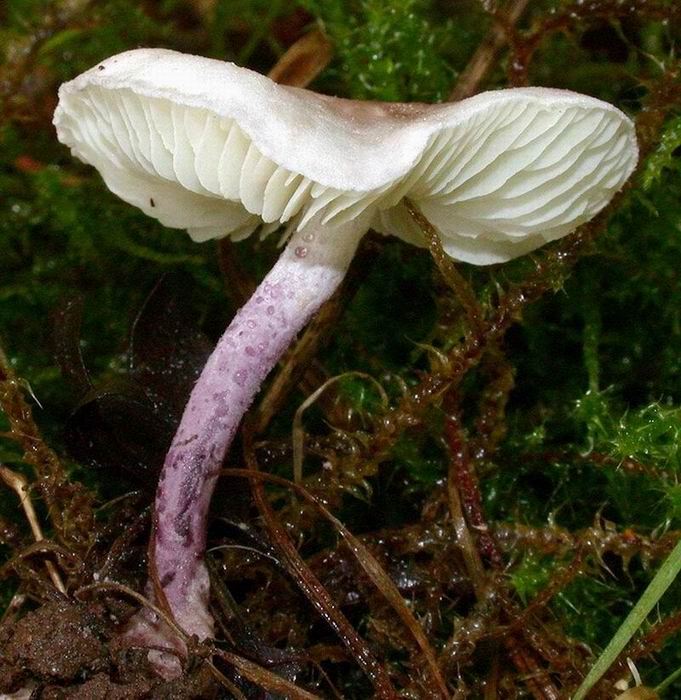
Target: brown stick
{"type": "Point", "coordinates": [464, 538]}
{"type": "Point", "coordinates": [486, 54]}
{"type": "Point", "coordinates": [456, 281]}
{"type": "Point", "coordinates": [19, 485]}
{"type": "Point", "coordinates": [303, 61]}
{"type": "Point", "coordinates": [464, 479]}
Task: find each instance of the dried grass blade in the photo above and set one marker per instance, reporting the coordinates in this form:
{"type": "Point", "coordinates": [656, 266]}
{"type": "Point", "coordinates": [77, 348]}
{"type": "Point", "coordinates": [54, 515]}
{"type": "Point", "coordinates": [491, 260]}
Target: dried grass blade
{"type": "Point", "coordinates": [303, 61]}
{"type": "Point", "coordinates": [308, 582]}
{"type": "Point", "coordinates": [19, 485]}
{"type": "Point", "coordinates": [298, 433]}
{"type": "Point", "coordinates": [264, 678]}
{"type": "Point", "coordinates": [372, 568]}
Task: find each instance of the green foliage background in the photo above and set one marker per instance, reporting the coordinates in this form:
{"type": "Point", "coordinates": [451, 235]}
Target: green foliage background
{"type": "Point", "coordinates": [597, 363]}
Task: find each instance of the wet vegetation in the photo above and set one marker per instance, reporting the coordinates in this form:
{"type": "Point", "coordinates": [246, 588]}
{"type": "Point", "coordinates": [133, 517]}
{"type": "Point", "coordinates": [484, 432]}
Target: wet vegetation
{"type": "Point", "coordinates": [492, 480]}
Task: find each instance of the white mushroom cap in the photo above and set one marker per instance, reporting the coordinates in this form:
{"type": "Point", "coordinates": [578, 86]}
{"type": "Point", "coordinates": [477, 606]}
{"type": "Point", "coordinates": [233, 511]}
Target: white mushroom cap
{"type": "Point", "coordinates": [216, 149]}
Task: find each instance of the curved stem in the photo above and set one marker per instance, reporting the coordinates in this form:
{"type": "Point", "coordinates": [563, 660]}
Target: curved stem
{"type": "Point", "coordinates": [305, 276]}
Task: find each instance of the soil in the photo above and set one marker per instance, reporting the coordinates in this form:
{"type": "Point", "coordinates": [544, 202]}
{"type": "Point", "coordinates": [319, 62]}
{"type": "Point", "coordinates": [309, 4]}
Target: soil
{"type": "Point", "coordinates": [68, 651]}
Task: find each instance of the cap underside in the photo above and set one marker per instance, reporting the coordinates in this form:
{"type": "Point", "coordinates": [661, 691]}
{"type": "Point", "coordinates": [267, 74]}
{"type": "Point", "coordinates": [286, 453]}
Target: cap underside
{"type": "Point", "coordinates": [497, 175]}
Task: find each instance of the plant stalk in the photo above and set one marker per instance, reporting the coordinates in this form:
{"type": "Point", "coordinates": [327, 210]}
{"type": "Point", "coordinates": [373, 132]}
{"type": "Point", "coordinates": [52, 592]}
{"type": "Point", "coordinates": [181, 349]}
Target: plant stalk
{"type": "Point", "coordinates": [308, 272]}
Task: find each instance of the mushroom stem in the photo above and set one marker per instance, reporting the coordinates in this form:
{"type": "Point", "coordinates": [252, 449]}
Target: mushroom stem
{"type": "Point", "coordinates": [307, 273]}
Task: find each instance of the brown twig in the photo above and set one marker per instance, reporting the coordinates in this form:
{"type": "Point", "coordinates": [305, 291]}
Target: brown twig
{"type": "Point", "coordinates": [456, 281]}
{"type": "Point", "coordinates": [487, 52]}
{"type": "Point", "coordinates": [492, 680]}
{"type": "Point", "coordinates": [304, 60]}
{"type": "Point", "coordinates": [536, 678]}
{"type": "Point", "coordinates": [464, 538]}
{"type": "Point", "coordinates": [465, 481]}
{"type": "Point", "coordinates": [19, 484]}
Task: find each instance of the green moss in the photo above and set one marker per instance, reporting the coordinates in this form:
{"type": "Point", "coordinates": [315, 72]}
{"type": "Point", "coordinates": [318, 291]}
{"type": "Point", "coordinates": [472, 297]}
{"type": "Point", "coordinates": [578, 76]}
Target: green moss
{"type": "Point", "coordinates": [663, 158]}
{"type": "Point", "coordinates": [388, 49]}
{"type": "Point", "coordinates": [530, 576]}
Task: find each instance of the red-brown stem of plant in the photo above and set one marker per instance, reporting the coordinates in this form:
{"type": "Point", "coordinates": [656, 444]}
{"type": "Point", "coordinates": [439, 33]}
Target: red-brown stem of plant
{"type": "Point", "coordinates": [467, 483]}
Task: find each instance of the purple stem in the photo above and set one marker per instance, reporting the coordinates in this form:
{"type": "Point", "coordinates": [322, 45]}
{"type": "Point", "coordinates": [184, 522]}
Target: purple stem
{"type": "Point", "coordinates": [308, 272]}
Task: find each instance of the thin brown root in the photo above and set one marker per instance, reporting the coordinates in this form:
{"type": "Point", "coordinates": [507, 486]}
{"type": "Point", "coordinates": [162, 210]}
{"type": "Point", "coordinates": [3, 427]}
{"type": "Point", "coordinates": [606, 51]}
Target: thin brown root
{"type": "Point", "coordinates": [464, 538]}
{"type": "Point", "coordinates": [19, 484]}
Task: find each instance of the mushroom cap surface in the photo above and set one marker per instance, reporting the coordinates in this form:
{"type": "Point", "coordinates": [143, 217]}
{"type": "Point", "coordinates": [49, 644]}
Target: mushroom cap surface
{"type": "Point", "coordinates": [216, 149]}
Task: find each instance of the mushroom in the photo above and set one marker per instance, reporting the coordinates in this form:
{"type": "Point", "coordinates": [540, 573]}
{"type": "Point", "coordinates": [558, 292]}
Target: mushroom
{"type": "Point", "coordinates": [219, 150]}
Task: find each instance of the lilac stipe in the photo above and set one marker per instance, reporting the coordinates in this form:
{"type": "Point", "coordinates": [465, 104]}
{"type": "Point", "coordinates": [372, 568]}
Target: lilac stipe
{"type": "Point", "coordinates": [308, 272]}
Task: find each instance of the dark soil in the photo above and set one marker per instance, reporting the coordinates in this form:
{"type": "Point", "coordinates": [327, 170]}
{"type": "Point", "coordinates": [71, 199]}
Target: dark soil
{"type": "Point", "coordinates": [67, 650]}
